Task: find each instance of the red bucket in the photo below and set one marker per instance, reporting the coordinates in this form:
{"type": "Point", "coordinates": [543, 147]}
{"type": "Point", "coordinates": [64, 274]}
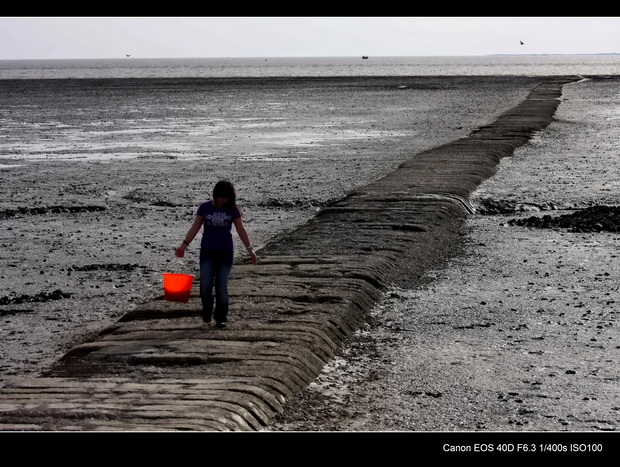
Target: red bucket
{"type": "Point", "coordinates": [177, 287]}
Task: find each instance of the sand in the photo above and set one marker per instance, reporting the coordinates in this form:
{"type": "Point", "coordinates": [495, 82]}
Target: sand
{"type": "Point", "coordinates": [519, 332]}
{"type": "Point", "coordinates": [115, 172]}
{"type": "Point", "coordinates": [101, 178]}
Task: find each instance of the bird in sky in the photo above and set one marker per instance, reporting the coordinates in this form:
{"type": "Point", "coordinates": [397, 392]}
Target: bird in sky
{"type": "Point", "coordinates": [521, 42]}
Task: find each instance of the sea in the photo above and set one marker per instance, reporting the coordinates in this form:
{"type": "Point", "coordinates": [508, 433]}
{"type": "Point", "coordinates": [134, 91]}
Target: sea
{"type": "Point", "coordinates": [488, 65]}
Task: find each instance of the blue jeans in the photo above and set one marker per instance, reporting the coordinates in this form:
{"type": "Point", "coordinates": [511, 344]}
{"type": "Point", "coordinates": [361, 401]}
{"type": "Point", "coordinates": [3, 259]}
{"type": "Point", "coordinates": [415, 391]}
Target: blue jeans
{"type": "Point", "coordinates": [215, 266]}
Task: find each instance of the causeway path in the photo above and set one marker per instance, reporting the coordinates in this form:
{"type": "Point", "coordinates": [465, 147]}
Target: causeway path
{"type": "Point", "coordinates": [161, 369]}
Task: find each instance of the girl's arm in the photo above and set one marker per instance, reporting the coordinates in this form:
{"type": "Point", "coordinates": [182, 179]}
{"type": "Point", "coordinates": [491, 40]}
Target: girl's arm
{"type": "Point", "coordinates": [245, 238]}
{"type": "Point", "coordinates": [191, 234]}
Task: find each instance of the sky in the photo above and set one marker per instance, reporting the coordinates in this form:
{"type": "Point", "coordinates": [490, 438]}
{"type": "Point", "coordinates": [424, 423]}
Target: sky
{"type": "Point", "coordinates": [294, 36]}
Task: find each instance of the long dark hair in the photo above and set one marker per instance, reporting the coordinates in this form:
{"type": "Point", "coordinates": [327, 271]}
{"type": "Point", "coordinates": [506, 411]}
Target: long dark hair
{"type": "Point", "coordinates": [224, 188]}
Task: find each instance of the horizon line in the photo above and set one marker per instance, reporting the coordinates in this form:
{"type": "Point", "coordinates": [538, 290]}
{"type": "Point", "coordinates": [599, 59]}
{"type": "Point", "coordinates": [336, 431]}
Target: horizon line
{"type": "Point", "coordinates": [130, 57]}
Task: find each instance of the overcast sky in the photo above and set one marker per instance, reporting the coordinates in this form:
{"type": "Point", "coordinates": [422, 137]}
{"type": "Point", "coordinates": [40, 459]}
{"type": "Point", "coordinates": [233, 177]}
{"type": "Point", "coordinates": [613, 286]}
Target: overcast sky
{"type": "Point", "coordinates": [167, 37]}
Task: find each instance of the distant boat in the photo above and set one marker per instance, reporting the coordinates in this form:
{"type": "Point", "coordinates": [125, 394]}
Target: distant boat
{"type": "Point", "coordinates": [364, 56]}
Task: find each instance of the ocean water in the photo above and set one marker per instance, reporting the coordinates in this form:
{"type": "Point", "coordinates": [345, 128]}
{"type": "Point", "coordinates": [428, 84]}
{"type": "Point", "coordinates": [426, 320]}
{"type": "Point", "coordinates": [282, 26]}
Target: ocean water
{"type": "Point", "coordinates": [490, 65]}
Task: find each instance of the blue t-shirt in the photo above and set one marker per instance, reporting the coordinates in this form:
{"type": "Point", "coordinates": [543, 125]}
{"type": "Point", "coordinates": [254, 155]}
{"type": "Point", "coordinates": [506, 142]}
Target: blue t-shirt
{"type": "Point", "coordinates": [217, 226]}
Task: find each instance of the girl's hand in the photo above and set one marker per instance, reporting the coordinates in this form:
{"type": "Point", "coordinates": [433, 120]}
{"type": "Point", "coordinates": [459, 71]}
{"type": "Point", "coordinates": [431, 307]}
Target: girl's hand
{"type": "Point", "coordinates": [253, 256]}
{"type": "Point", "coordinates": [180, 252]}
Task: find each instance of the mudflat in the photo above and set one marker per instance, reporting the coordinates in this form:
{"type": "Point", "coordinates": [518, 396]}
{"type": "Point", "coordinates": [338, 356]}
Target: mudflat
{"type": "Point", "coordinates": [495, 340]}
{"type": "Point", "coordinates": [101, 178]}
{"type": "Point", "coordinates": [518, 332]}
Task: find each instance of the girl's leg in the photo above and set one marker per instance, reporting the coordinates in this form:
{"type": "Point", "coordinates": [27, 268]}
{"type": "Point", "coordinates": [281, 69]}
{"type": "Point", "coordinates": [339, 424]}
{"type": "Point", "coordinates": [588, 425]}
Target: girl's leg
{"type": "Point", "coordinates": [222, 273]}
{"type": "Point", "coordinates": [207, 279]}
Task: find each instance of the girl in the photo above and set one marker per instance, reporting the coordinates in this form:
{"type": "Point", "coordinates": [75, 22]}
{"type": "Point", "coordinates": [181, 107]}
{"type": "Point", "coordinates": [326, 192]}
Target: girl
{"type": "Point", "coordinates": [216, 248]}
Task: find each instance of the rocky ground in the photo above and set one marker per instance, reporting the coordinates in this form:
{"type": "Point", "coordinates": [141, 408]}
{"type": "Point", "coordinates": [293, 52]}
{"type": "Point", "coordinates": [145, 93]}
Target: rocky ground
{"type": "Point", "coordinates": [519, 331]}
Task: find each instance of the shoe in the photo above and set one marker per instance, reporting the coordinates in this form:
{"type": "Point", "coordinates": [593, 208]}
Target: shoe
{"type": "Point", "coordinates": [220, 325]}
{"type": "Point", "coordinates": [206, 319]}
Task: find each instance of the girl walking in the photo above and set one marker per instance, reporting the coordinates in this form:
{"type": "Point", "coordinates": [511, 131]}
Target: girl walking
{"type": "Point", "coordinates": [216, 248]}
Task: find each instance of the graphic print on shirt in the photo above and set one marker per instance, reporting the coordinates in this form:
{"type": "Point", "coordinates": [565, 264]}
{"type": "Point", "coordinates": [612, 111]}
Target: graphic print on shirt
{"type": "Point", "coordinates": [217, 226]}
{"type": "Point", "coordinates": [219, 219]}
